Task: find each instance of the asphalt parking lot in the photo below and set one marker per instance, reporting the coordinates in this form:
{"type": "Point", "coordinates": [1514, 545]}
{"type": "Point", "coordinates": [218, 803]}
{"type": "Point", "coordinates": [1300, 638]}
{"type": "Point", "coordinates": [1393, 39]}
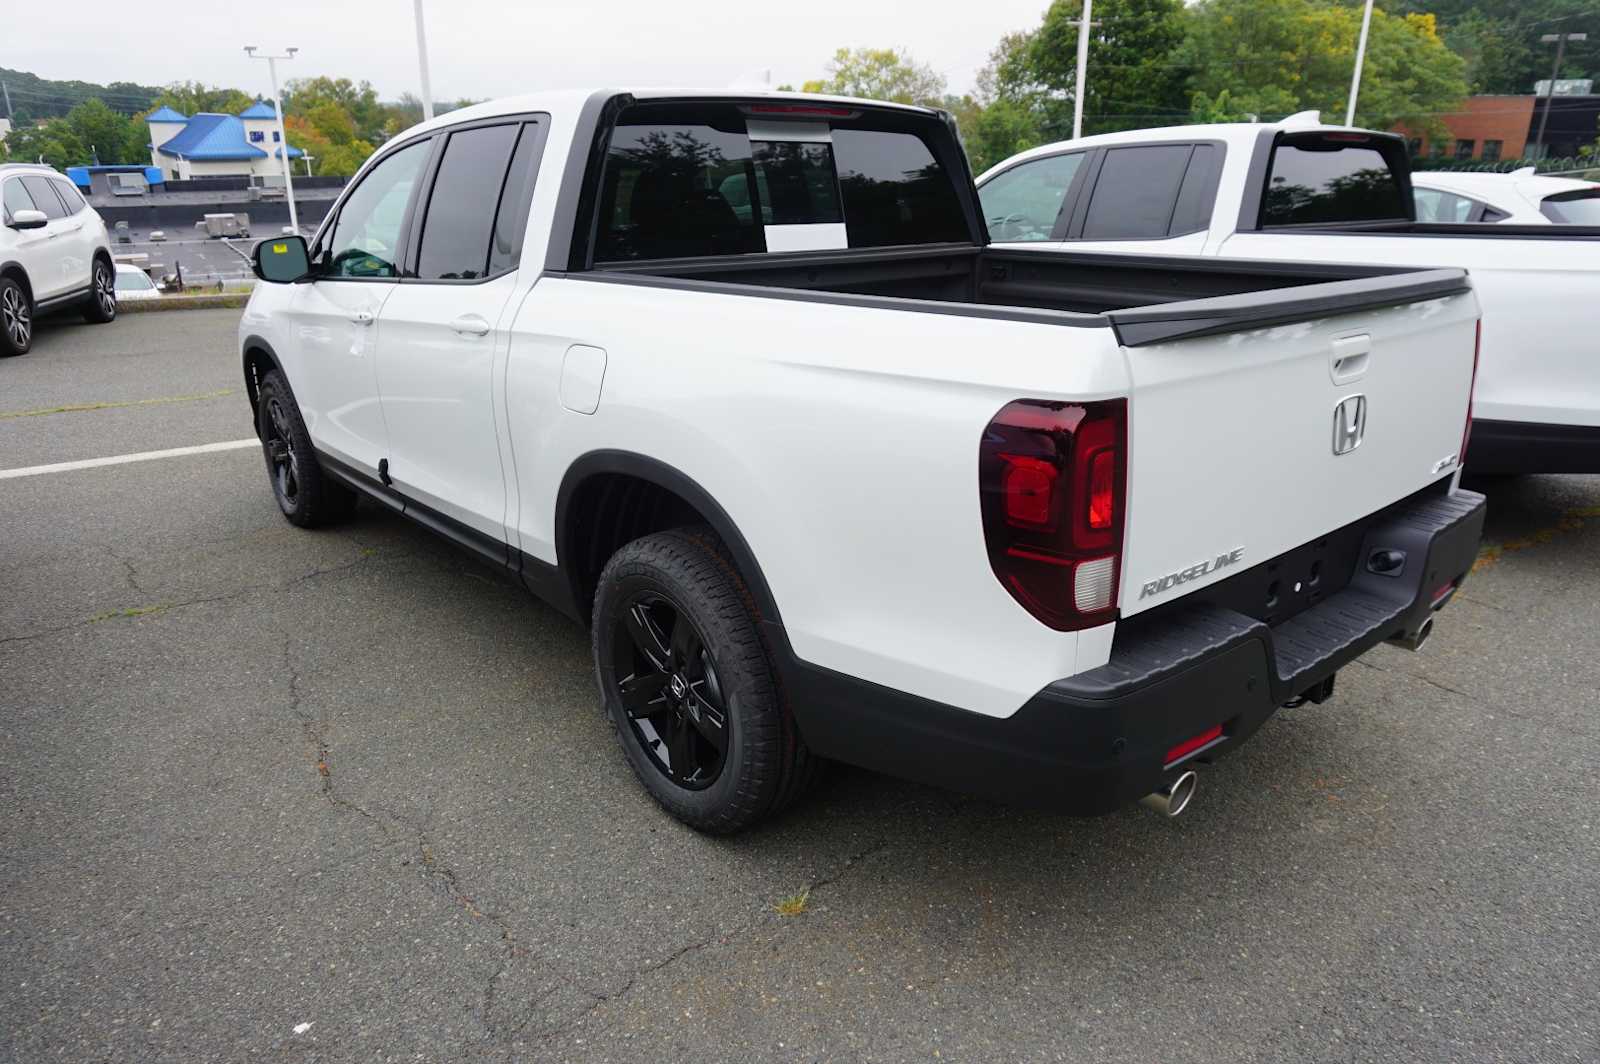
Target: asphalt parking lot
{"type": "Point", "coordinates": [347, 795]}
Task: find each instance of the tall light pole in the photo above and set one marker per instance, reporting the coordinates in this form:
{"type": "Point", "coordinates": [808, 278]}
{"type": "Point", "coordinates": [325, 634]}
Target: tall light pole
{"type": "Point", "coordinates": [1361, 57]}
{"type": "Point", "coordinates": [1560, 41]}
{"type": "Point", "coordinates": [1083, 69]}
{"type": "Point", "coordinates": [422, 64]}
{"type": "Point", "coordinates": [283, 137]}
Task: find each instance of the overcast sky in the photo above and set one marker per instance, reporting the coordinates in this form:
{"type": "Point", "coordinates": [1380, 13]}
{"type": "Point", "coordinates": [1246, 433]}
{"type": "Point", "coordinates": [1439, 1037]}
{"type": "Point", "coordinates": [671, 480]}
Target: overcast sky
{"type": "Point", "coordinates": [484, 48]}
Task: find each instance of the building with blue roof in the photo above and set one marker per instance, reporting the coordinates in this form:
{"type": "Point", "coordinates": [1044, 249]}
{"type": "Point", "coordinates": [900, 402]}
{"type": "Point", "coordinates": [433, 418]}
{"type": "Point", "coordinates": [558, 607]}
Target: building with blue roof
{"type": "Point", "coordinates": [218, 145]}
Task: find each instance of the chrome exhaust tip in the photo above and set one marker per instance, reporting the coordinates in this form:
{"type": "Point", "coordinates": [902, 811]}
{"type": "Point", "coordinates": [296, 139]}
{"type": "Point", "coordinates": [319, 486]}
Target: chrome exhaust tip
{"type": "Point", "coordinates": [1415, 640]}
{"type": "Point", "coordinates": [1173, 798]}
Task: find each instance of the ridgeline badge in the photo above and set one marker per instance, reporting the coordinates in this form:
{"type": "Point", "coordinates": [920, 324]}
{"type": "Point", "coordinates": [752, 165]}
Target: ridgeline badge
{"type": "Point", "coordinates": [1183, 576]}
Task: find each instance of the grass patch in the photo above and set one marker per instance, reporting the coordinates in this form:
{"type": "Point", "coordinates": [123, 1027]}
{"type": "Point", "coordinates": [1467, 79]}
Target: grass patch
{"type": "Point", "coordinates": [793, 905]}
{"type": "Point", "coordinates": [129, 611]}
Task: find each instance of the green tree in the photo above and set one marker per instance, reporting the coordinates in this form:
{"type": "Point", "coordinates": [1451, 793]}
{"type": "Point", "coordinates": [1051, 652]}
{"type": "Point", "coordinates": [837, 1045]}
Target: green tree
{"type": "Point", "coordinates": [880, 74]}
{"type": "Point", "coordinates": [192, 97]}
{"type": "Point", "coordinates": [104, 132]}
{"type": "Point", "coordinates": [1136, 75]}
{"type": "Point", "coordinates": [328, 137]}
{"type": "Point", "coordinates": [1500, 38]}
{"type": "Point", "coordinates": [358, 100]}
{"type": "Point", "coordinates": [1274, 57]}
{"type": "Point", "coordinates": [55, 143]}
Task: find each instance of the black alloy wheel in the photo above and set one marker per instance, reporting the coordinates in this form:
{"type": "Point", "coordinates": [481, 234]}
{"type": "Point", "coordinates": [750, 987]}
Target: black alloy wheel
{"type": "Point", "coordinates": [689, 687]}
{"type": "Point", "coordinates": [283, 462]}
{"type": "Point", "coordinates": [668, 686]}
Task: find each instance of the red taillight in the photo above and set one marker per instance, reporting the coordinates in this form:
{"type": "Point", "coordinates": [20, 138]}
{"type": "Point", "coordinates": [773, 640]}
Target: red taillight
{"type": "Point", "coordinates": [1052, 479]}
{"type": "Point", "coordinates": [1189, 746]}
{"type": "Point", "coordinates": [1466, 433]}
{"type": "Point", "coordinates": [818, 110]}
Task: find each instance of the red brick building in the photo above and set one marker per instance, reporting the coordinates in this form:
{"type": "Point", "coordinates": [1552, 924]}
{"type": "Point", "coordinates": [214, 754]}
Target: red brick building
{"type": "Point", "coordinates": [1486, 127]}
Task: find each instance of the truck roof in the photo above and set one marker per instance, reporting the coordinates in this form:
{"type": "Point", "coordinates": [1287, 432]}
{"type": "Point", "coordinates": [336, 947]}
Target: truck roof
{"type": "Point", "coordinates": [559, 100]}
{"type": "Point", "coordinates": [1232, 134]}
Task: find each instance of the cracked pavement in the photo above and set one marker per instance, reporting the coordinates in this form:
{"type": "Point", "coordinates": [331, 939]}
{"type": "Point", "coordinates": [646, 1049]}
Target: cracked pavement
{"type": "Point", "coordinates": [347, 796]}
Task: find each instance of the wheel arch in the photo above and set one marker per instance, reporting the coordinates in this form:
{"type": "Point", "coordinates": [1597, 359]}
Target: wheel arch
{"type": "Point", "coordinates": [259, 359]}
{"type": "Point", "coordinates": [14, 269]}
{"type": "Point", "coordinates": [611, 497]}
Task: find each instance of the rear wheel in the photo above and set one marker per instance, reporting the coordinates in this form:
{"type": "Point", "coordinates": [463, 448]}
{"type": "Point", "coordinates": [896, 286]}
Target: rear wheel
{"type": "Point", "coordinates": [101, 304]}
{"type": "Point", "coordinates": [307, 496]}
{"type": "Point", "coordinates": [16, 318]}
{"type": "Point", "coordinates": [689, 688]}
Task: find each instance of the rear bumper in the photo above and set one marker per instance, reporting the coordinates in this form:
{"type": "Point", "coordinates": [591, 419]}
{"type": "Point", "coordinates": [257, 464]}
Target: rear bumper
{"type": "Point", "coordinates": [1532, 447]}
{"type": "Point", "coordinates": [1097, 741]}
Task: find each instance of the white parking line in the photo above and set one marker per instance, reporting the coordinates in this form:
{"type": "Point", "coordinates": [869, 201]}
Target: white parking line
{"type": "Point", "coordinates": [122, 459]}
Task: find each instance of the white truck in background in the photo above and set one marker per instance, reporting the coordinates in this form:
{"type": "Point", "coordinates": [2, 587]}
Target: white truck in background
{"type": "Point", "coordinates": [736, 380]}
{"type": "Point", "coordinates": [1302, 191]}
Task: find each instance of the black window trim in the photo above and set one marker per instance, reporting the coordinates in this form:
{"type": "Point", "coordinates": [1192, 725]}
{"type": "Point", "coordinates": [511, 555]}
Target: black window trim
{"type": "Point", "coordinates": [1073, 231]}
{"type": "Point", "coordinates": [1251, 205]}
{"type": "Point", "coordinates": [437, 138]}
{"type": "Point", "coordinates": [58, 184]}
{"type": "Point", "coordinates": [416, 211]}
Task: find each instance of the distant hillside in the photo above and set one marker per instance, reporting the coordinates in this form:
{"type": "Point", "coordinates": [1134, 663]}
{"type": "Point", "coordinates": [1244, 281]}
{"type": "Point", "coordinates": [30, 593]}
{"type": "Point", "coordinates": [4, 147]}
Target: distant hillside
{"type": "Point", "coordinates": [34, 98]}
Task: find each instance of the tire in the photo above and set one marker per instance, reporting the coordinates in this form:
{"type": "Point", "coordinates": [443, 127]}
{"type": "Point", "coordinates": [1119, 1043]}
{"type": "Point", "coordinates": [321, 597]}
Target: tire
{"type": "Point", "coordinates": [307, 496]}
{"type": "Point", "coordinates": [16, 318]}
{"type": "Point", "coordinates": [101, 305]}
{"type": "Point", "coordinates": [676, 650]}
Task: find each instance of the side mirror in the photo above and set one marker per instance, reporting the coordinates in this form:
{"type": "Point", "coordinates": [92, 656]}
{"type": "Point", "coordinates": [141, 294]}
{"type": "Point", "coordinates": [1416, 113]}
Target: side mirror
{"type": "Point", "coordinates": [281, 260]}
{"type": "Point", "coordinates": [28, 220]}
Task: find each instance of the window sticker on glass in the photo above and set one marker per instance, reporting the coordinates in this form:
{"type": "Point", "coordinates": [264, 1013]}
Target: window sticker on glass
{"type": "Point", "coordinates": [797, 185]}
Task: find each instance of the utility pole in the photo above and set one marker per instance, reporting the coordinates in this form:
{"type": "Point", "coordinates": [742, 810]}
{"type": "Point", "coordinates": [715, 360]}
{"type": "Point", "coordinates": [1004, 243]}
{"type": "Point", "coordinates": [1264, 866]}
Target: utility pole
{"type": "Point", "coordinates": [422, 64]}
{"type": "Point", "coordinates": [1560, 41]}
{"type": "Point", "coordinates": [1079, 90]}
{"type": "Point", "coordinates": [1361, 56]}
{"type": "Point", "coordinates": [283, 137]}
{"type": "Point", "coordinates": [7, 89]}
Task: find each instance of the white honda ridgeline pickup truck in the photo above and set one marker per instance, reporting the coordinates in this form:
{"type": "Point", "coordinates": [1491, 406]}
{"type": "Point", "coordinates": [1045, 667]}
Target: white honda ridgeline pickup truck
{"type": "Point", "coordinates": [738, 381]}
{"type": "Point", "coordinates": [1300, 190]}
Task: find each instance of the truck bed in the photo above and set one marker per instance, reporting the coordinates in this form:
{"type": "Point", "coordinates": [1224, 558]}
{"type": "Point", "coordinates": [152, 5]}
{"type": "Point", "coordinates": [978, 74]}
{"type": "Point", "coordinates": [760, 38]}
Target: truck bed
{"type": "Point", "coordinates": [1145, 298]}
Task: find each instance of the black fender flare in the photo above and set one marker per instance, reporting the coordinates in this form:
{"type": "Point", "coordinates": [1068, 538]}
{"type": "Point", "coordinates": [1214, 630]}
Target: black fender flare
{"type": "Point", "coordinates": [251, 385]}
{"type": "Point", "coordinates": [659, 473]}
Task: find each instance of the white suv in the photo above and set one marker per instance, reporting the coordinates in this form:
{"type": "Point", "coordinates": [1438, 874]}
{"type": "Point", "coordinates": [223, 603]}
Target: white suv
{"type": "Point", "coordinates": [54, 252]}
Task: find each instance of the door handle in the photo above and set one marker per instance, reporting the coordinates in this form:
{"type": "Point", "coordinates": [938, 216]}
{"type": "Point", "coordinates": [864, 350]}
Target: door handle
{"type": "Point", "coordinates": [362, 317]}
{"type": "Point", "coordinates": [470, 325]}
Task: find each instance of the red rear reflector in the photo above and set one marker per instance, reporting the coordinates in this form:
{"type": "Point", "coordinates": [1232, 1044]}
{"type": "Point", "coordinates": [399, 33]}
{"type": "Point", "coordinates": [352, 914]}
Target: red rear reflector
{"type": "Point", "coordinates": [1441, 594]}
{"type": "Point", "coordinates": [1102, 485]}
{"type": "Point", "coordinates": [1189, 746]}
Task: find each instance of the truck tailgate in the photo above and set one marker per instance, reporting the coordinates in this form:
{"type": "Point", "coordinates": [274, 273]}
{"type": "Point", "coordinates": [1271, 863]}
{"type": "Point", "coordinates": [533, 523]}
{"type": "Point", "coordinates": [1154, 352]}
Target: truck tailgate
{"type": "Point", "coordinates": [1244, 444]}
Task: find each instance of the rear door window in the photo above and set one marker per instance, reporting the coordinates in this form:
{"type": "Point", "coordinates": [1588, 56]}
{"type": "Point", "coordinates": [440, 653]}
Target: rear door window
{"type": "Point", "coordinates": [1136, 192]}
{"type": "Point", "coordinates": [1024, 203]}
{"type": "Point", "coordinates": [1434, 205]}
{"type": "Point", "coordinates": [70, 197]}
{"type": "Point", "coordinates": [1327, 178]}
{"type": "Point", "coordinates": [696, 181]}
{"type": "Point", "coordinates": [459, 221]}
{"type": "Point", "coordinates": [44, 197]}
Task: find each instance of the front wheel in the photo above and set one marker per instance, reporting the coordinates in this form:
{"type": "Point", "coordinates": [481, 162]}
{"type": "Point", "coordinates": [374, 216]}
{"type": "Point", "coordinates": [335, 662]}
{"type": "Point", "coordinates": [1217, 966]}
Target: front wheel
{"type": "Point", "coordinates": [688, 686]}
{"type": "Point", "coordinates": [16, 318]}
{"type": "Point", "coordinates": [101, 304]}
{"type": "Point", "coordinates": [307, 496]}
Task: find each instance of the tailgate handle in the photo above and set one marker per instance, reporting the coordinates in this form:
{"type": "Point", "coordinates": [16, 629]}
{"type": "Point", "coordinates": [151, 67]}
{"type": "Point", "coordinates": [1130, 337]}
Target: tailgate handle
{"type": "Point", "coordinates": [1350, 357]}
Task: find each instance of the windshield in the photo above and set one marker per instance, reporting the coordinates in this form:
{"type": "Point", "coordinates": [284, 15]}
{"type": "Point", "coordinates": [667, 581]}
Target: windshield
{"type": "Point", "coordinates": [133, 281]}
{"type": "Point", "coordinates": [1573, 208]}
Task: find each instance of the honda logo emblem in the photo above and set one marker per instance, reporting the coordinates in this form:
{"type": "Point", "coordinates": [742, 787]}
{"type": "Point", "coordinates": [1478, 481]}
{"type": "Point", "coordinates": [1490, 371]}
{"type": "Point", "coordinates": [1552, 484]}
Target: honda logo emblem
{"type": "Point", "coordinates": [1349, 424]}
